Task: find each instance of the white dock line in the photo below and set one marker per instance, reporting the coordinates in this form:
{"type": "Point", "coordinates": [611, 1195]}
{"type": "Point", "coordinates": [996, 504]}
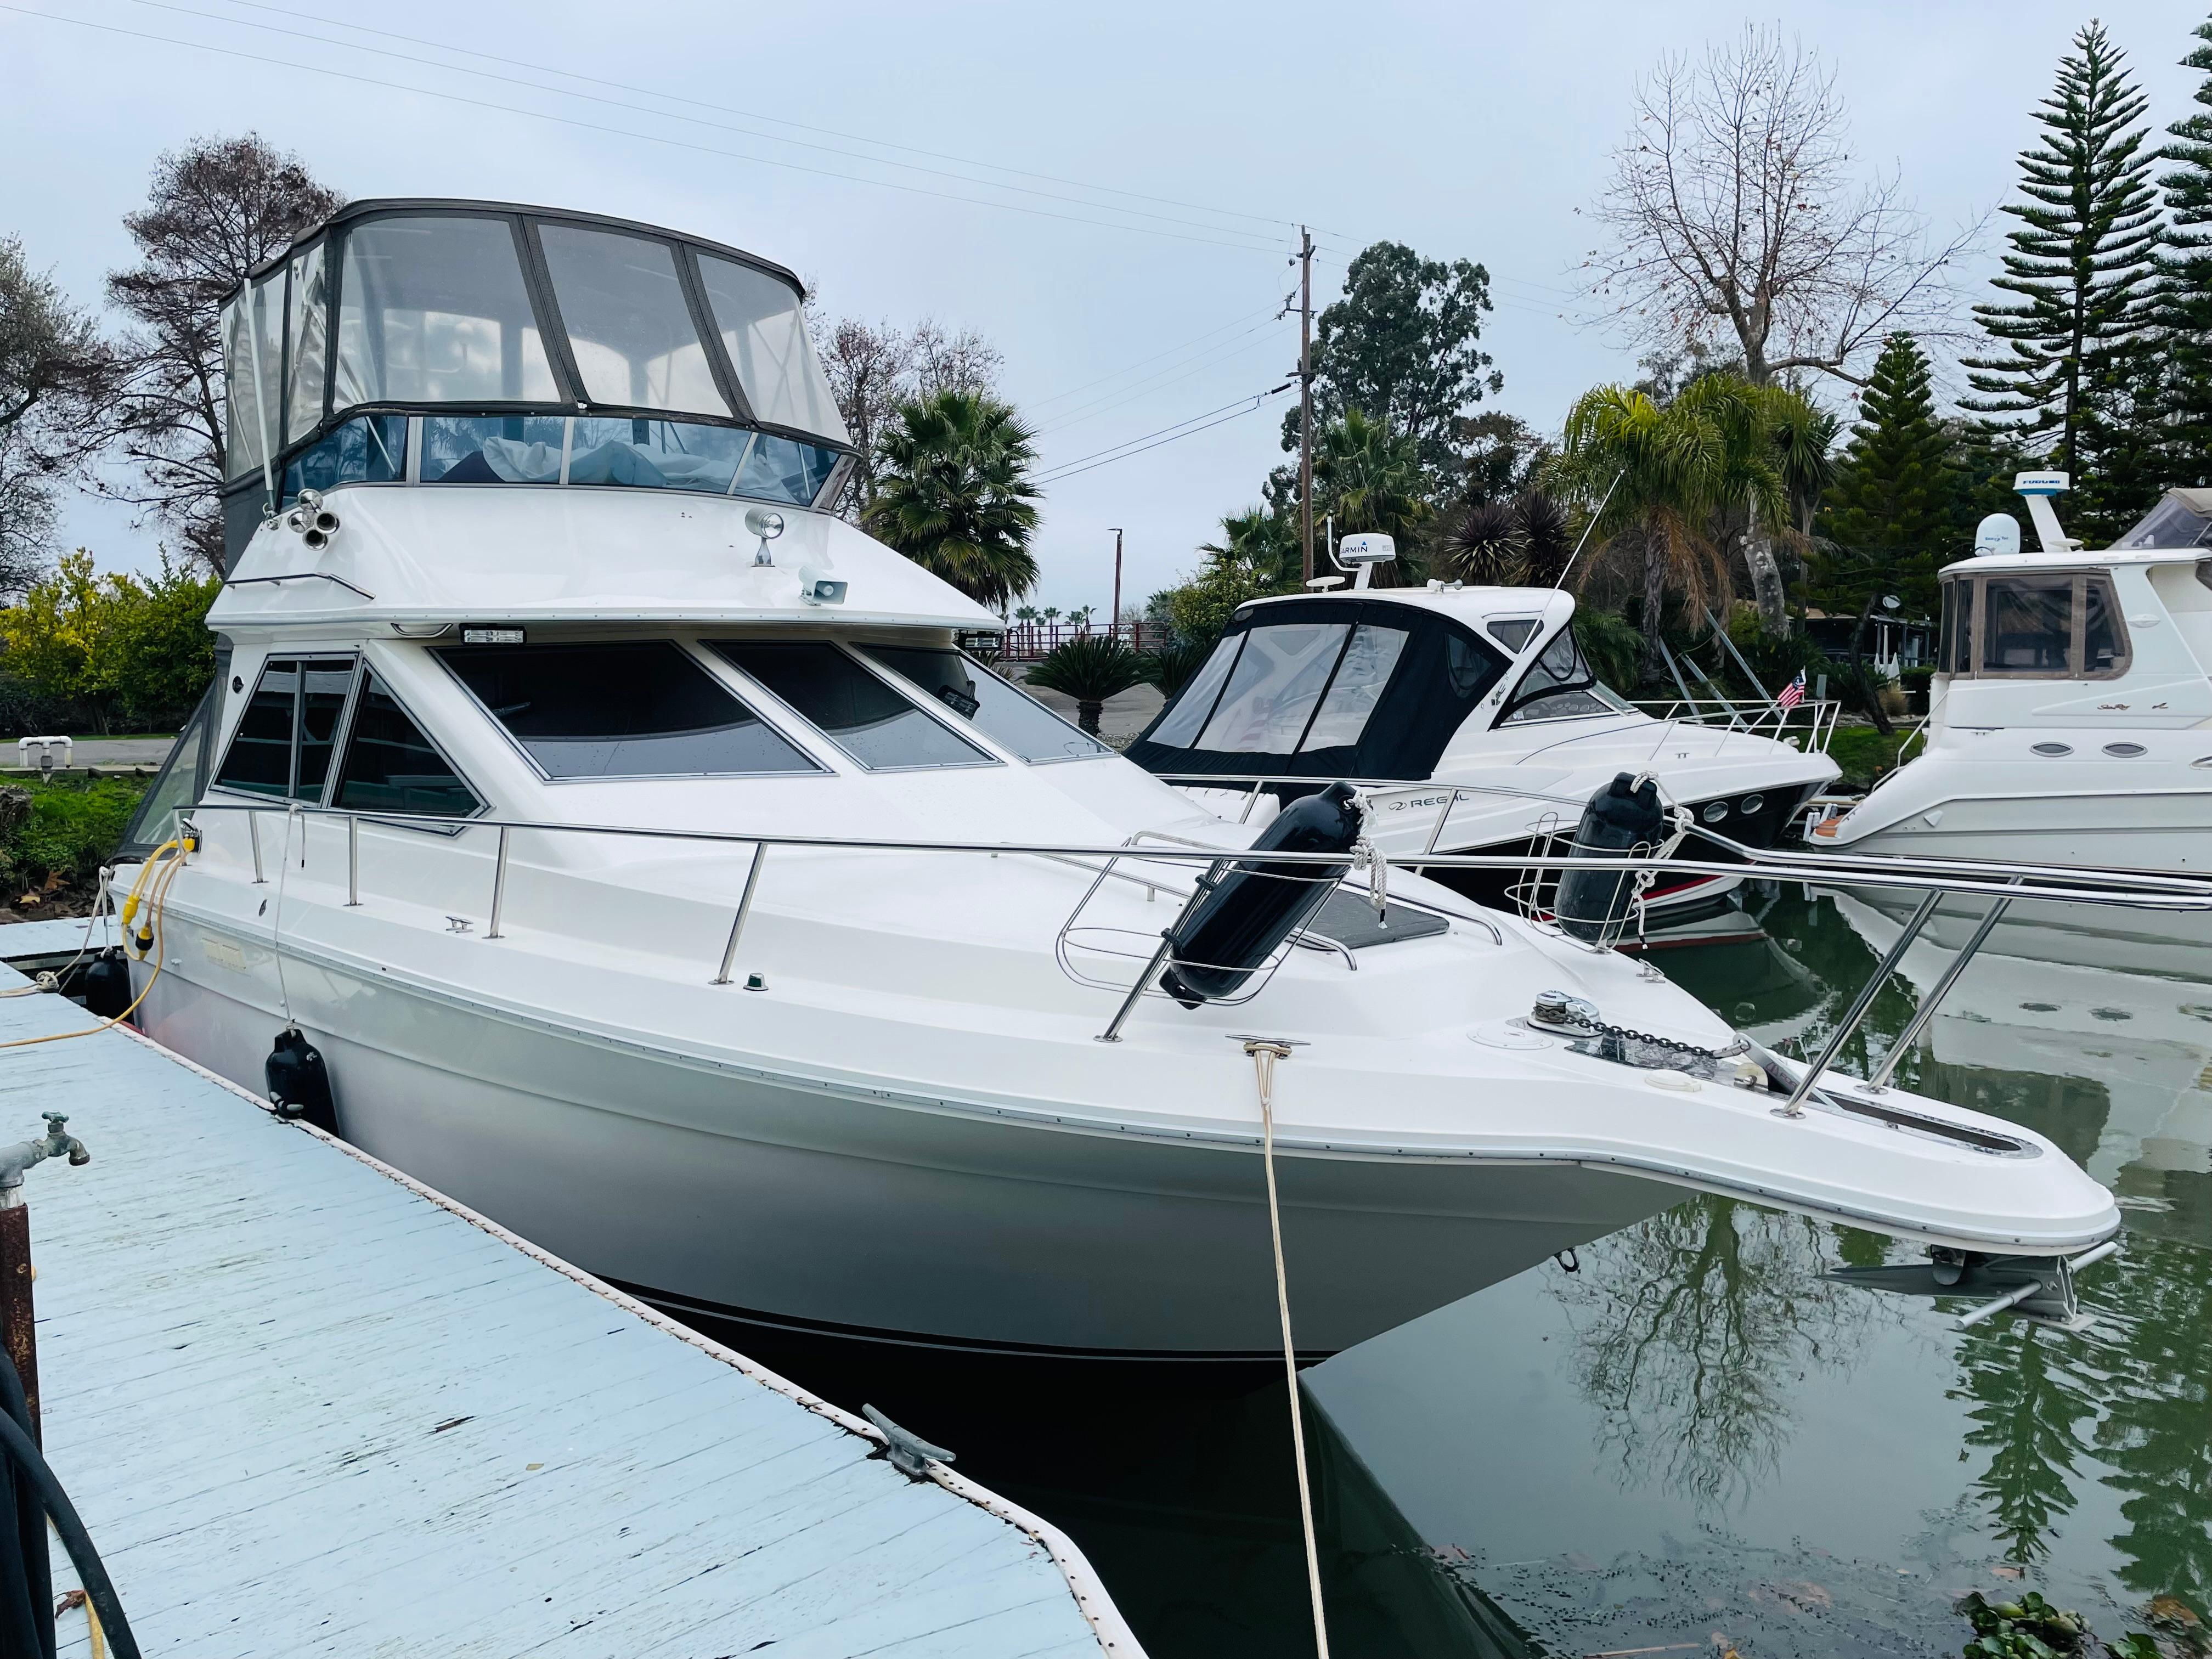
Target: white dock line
{"type": "Point", "coordinates": [1091, 1598]}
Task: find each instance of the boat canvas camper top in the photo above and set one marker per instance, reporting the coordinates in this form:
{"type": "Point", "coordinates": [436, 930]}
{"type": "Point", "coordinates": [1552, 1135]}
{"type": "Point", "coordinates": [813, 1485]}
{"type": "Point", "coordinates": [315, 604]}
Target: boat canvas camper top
{"type": "Point", "coordinates": [1484, 689]}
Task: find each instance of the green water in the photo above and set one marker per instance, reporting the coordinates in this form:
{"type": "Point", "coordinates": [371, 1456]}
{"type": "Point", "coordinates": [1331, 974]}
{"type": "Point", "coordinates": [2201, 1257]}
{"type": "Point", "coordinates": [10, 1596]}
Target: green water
{"type": "Point", "coordinates": [1696, 1441]}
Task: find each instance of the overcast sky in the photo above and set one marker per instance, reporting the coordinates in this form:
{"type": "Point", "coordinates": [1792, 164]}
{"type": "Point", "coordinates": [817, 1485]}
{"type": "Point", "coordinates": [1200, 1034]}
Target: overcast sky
{"type": "Point", "coordinates": [1466, 130]}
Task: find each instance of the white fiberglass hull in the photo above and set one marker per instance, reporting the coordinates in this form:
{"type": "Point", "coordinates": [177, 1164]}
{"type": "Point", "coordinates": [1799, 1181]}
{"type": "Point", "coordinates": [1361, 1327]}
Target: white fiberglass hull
{"type": "Point", "coordinates": [2151, 812]}
{"type": "Point", "coordinates": [748, 1195]}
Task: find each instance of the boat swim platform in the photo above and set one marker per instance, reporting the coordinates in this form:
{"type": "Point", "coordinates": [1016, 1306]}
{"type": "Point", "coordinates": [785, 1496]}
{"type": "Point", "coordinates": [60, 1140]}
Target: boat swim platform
{"type": "Point", "coordinates": [306, 1405]}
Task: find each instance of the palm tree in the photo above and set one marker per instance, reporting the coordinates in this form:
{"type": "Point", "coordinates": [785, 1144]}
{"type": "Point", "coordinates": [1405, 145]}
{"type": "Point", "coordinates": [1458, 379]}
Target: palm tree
{"type": "Point", "coordinates": [1090, 668]}
{"type": "Point", "coordinates": [1674, 473]}
{"type": "Point", "coordinates": [1370, 479]}
{"type": "Point", "coordinates": [953, 493]}
{"type": "Point", "coordinates": [1261, 545]}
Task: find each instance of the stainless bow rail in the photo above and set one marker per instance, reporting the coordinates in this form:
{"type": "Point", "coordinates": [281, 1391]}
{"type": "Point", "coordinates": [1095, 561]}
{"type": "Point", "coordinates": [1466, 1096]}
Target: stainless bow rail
{"type": "Point", "coordinates": [2002, 884]}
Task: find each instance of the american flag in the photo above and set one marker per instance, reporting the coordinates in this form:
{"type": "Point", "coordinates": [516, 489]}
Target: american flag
{"type": "Point", "coordinates": [1792, 693]}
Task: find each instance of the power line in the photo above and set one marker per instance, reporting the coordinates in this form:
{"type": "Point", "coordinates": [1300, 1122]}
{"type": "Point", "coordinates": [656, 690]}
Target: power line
{"type": "Point", "coordinates": [643, 109]}
{"type": "Point", "coordinates": [1039, 403]}
{"type": "Point", "coordinates": [1166, 434]}
{"type": "Point", "coordinates": [623, 132]}
{"type": "Point", "coordinates": [1166, 377]}
{"type": "Point", "coordinates": [774, 120]}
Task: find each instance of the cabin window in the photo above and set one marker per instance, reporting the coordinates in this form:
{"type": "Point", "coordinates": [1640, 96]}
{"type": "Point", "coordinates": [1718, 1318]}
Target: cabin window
{"type": "Point", "coordinates": [1369, 662]}
{"type": "Point", "coordinates": [628, 325]}
{"type": "Point", "coordinates": [764, 331]}
{"type": "Point", "coordinates": [391, 766]}
{"type": "Point", "coordinates": [2054, 624]}
{"type": "Point", "coordinates": [863, 715]}
{"type": "Point", "coordinates": [1277, 686]}
{"type": "Point", "coordinates": [282, 748]}
{"type": "Point", "coordinates": [435, 309]}
{"type": "Point", "coordinates": [656, 454]}
{"type": "Point", "coordinates": [182, 774]}
{"type": "Point", "coordinates": [493, 448]}
{"type": "Point", "coordinates": [1559, 685]}
{"type": "Point", "coordinates": [2176, 521]}
{"type": "Point", "coordinates": [1009, 717]}
{"type": "Point", "coordinates": [620, 709]}
{"type": "Point", "coordinates": [368, 449]}
{"type": "Point", "coordinates": [1513, 632]}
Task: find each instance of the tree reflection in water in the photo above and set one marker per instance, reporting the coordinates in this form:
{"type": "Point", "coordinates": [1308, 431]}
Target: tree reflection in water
{"type": "Point", "coordinates": [2156, 1435]}
{"type": "Point", "coordinates": [1691, 1330]}
{"type": "Point", "coordinates": [2028, 1397]}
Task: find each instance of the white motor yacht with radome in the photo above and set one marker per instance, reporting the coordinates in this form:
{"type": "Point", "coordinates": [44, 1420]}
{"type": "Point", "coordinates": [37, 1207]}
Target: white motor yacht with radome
{"type": "Point", "coordinates": [1483, 689]}
{"type": "Point", "coordinates": [568, 569]}
{"type": "Point", "coordinates": [2070, 723]}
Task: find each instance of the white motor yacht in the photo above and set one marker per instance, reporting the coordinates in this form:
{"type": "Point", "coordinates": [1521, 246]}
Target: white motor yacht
{"type": "Point", "coordinates": [1484, 690]}
{"type": "Point", "coordinates": [2066, 726]}
{"type": "Point", "coordinates": [648, 869]}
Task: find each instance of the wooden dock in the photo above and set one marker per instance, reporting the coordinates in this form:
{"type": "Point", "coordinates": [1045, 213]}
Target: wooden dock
{"type": "Point", "coordinates": [307, 1407]}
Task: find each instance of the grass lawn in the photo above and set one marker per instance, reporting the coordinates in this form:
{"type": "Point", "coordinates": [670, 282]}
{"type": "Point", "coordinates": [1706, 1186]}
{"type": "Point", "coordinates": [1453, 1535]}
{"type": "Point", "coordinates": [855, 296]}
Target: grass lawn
{"type": "Point", "coordinates": [73, 826]}
{"type": "Point", "coordinates": [1865, 755]}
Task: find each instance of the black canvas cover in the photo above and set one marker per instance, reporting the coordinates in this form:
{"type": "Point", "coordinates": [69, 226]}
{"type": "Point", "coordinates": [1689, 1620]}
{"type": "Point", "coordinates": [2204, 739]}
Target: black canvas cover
{"type": "Point", "coordinates": [1325, 689]}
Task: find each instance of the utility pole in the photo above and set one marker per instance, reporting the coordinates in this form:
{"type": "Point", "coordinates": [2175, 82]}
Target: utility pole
{"type": "Point", "coordinates": [1114, 621]}
{"type": "Point", "coordinates": [1305, 396]}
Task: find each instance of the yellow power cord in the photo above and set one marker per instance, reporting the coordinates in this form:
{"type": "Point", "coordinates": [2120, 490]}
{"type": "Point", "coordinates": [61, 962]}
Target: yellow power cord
{"type": "Point", "coordinates": [170, 858]}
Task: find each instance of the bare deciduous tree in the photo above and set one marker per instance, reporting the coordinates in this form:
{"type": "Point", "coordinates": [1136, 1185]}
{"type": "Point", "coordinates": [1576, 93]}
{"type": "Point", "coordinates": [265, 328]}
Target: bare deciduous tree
{"type": "Point", "coordinates": [1736, 210]}
{"type": "Point", "coordinates": [215, 211]}
{"type": "Point", "coordinates": [875, 369]}
{"type": "Point", "coordinates": [54, 371]}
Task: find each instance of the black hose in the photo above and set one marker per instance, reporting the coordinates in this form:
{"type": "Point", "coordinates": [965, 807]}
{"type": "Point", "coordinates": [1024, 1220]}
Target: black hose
{"type": "Point", "coordinates": [26, 1585]}
{"type": "Point", "coordinates": [16, 1440]}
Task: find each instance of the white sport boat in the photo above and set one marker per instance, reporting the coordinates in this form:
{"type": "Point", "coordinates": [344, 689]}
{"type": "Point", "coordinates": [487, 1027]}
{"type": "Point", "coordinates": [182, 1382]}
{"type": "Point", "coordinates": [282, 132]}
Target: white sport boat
{"type": "Point", "coordinates": [2066, 727]}
{"type": "Point", "coordinates": [1483, 695]}
{"type": "Point", "coordinates": [642, 862]}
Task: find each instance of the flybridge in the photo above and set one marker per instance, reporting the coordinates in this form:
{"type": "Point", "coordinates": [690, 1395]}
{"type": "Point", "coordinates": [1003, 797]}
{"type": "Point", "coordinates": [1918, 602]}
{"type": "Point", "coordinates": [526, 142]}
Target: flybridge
{"type": "Point", "coordinates": [456, 342]}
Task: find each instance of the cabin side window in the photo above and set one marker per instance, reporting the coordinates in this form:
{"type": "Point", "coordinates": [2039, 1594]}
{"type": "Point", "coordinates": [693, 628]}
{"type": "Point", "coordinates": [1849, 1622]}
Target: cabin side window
{"type": "Point", "coordinates": [861, 713]}
{"type": "Point", "coordinates": [1559, 685]}
{"type": "Point", "coordinates": [629, 708]}
{"type": "Point", "coordinates": [282, 748]}
{"type": "Point", "coordinates": [2040, 625]}
{"type": "Point", "coordinates": [390, 764]}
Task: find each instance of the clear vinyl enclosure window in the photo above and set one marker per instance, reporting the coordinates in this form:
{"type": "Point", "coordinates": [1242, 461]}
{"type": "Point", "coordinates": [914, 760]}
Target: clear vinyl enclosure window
{"type": "Point", "coordinates": [629, 328]}
{"type": "Point", "coordinates": [435, 310]}
{"type": "Point", "coordinates": [1008, 716]}
{"type": "Point", "coordinates": [621, 710]}
{"type": "Point", "coordinates": [1187, 719]}
{"type": "Point", "coordinates": [763, 330]}
{"type": "Point", "coordinates": [863, 715]}
{"type": "Point", "coordinates": [1277, 685]}
{"type": "Point", "coordinates": [307, 333]}
{"type": "Point", "coordinates": [1369, 662]}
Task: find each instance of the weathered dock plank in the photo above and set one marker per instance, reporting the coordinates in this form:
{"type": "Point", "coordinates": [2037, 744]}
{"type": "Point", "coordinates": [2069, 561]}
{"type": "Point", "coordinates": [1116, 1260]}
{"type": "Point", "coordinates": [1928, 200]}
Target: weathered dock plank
{"type": "Point", "coordinates": [307, 1407]}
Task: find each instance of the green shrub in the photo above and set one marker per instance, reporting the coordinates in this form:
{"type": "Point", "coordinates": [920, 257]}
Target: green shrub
{"type": "Point", "coordinates": [74, 827]}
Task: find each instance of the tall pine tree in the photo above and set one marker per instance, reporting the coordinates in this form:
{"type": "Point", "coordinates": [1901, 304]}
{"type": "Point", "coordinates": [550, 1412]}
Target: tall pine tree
{"type": "Point", "coordinates": [2082, 268]}
{"type": "Point", "coordinates": [2186, 307]}
{"type": "Point", "coordinates": [1894, 499]}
